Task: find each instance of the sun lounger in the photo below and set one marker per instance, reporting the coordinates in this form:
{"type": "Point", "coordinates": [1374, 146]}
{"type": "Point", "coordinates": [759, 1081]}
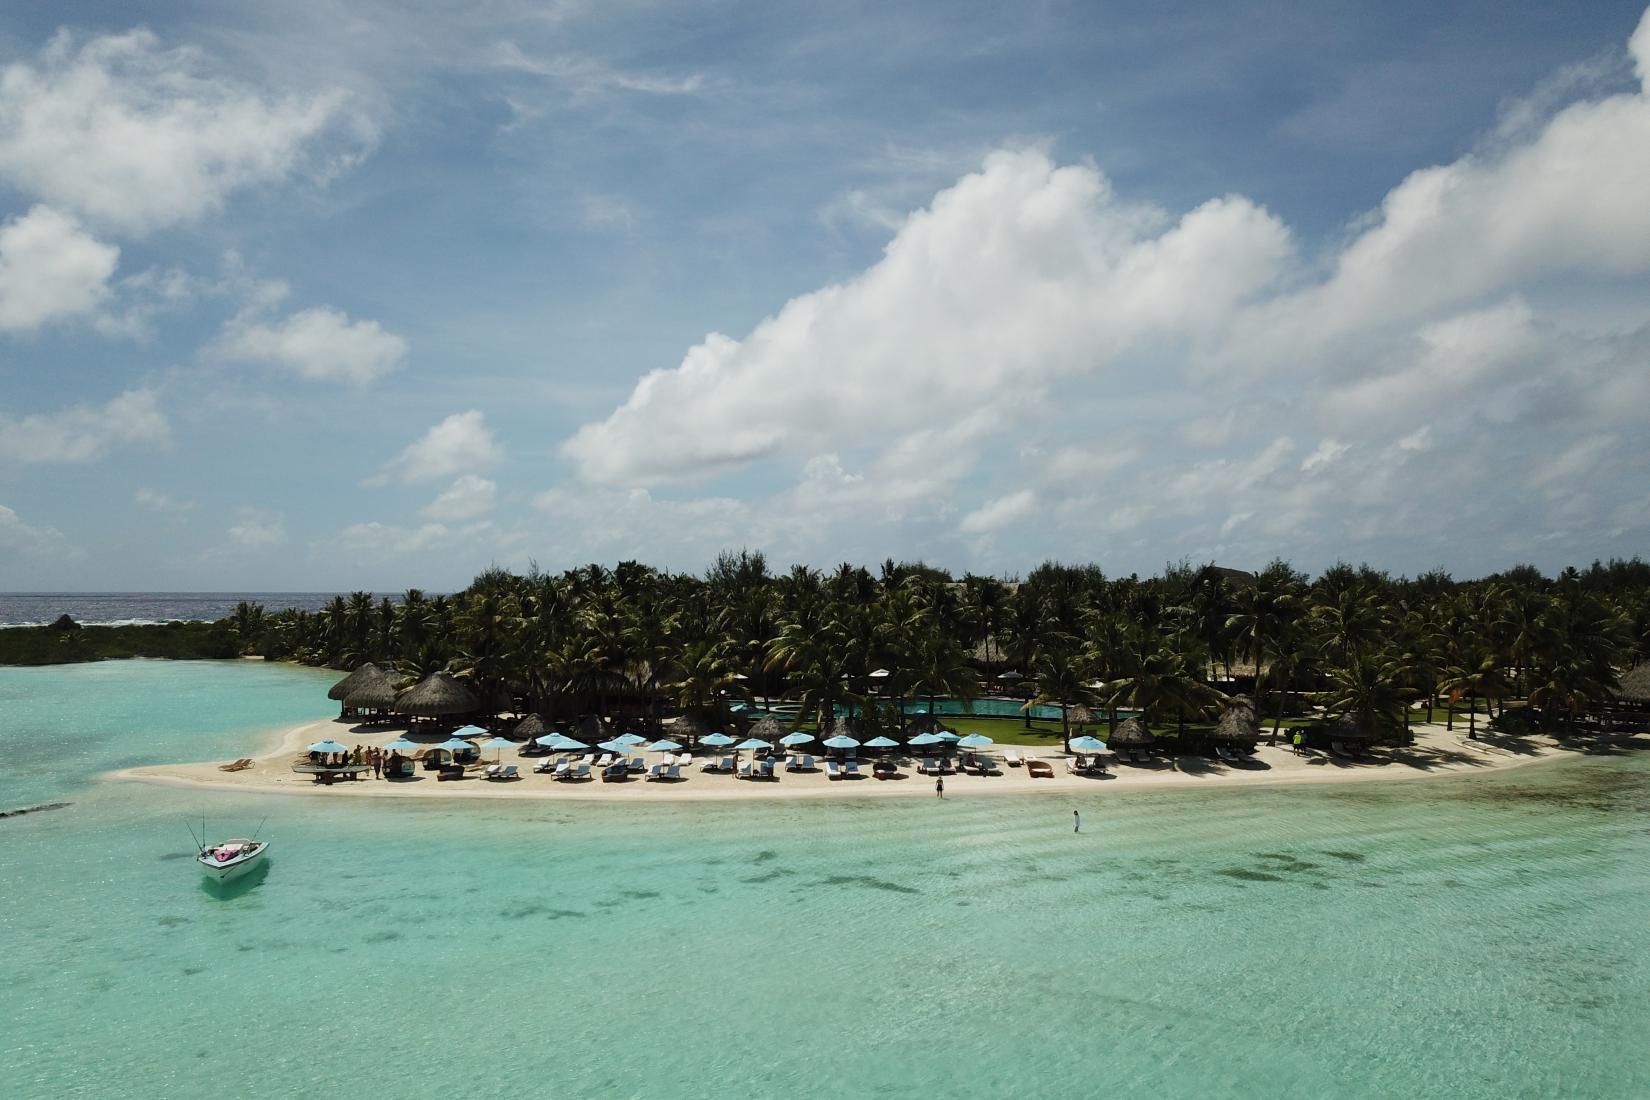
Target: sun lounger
{"type": "Point", "coordinates": [766, 770]}
{"type": "Point", "coordinates": [656, 771]}
{"type": "Point", "coordinates": [832, 771]}
{"type": "Point", "coordinates": [807, 763]}
{"type": "Point", "coordinates": [685, 760]}
{"type": "Point", "coordinates": [793, 763]}
{"type": "Point", "coordinates": [450, 771]}
{"type": "Point", "coordinates": [1226, 754]}
{"type": "Point", "coordinates": [637, 764]}
{"type": "Point", "coordinates": [1338, 749]}
{"type": "Point", "coordinates": [607, 759]}
{"type": "Point", "coordinates": [614, 772]}
{"type": "Point", "coordinates": [509, 772]}
{"type": "Point", "coordinates": [1011, 758]}
{"type": "Point", "coordinates": [674, 771]}
{"type": "Point", "coordinates": [1039, 769]}
{"type": "Point", "coordinates": [1074, 765]}
{"type": "Point", "coordinates": [581, 770]}
{"type": "Point", "coordinates": [948, 766]}
{"type": "Point", "coordinates": [745, 769]}
{"type": "Point", "coordinates": [850, 770]}
{"type": "Point", "coordinates": [491, 770]}
{"type": "Point", "coordinates": [884, 769]}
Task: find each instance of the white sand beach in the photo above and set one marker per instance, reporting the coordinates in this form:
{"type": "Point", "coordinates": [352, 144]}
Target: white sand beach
{"type": "Point", "coordinates": [1436, 752]}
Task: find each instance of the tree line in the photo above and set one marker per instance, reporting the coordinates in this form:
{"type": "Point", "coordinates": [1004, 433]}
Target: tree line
{"type": "Point", "coordinates": [1368, 646]}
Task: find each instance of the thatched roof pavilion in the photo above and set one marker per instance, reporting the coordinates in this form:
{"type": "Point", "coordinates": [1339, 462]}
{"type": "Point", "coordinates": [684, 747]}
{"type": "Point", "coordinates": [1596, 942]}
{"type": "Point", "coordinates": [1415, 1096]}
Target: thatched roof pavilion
{"type": "Point", "coordinates": [767, 728]}
{"type": "Point", "coordinates": [1132, 732]}
{"type": "Point", "coordinates": [1237, 724]}
{"type": "Point", "coordinates": [374, 693]}
{"type": "Point", "coordinates": [841, 727]}
{"type": "Point", "coordinates": [688, 726]}
{"type": "Point", "coordinates": [530, 727]}
{"type": "Point", "coordinates": [591, 730]}
{"type": "Point", "coordinates": [437, 695]}
{"type": "Point", "coordinates": [340, 691]}
{"type": "Point", "coordinates": [1345, 728]}
{"type": "Point", "coordinates": [1635, 685]}
{"type": "Point", "coordinates": [924, 723]}
{"type": "Point", "coordinates": [1243, 702]}
{"type": "Point", "coordinates": [1079, 715]}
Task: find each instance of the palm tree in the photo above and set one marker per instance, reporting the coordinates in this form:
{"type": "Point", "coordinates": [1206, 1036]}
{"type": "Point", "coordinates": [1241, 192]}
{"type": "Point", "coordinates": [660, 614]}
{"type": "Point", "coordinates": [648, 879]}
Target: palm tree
{"type": "Point", "coordinates": [1060, 679]}
{"type": "Point", "coordinates": [1163, 684]}
{"type": "Point", "coordinates": [1480, 677]}
{"type": "Point", "coordinates": [1370, 691]}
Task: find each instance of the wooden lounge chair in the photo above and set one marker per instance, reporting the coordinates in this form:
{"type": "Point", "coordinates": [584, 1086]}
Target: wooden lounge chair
{"type": "Point", "coordinates": [1011, 758]}
{"type": "Point", "coordinates": [1039, 769]}
{"type": "Point", "coordinates": [450, 771]}
{"type": "Point", "coordinates": [240, 765]}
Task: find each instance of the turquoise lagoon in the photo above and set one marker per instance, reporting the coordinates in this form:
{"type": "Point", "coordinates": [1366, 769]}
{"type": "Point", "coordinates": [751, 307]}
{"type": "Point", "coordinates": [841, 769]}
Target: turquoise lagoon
{"type": "Point", "coordinates": [1476, 937]}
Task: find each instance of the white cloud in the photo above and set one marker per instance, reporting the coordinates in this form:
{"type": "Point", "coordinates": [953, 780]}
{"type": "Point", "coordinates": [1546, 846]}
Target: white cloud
{"type": "Point", "coordinates": [257, 528]}
{"type": "Point", "coordinates": [321, 344]}
{"type": "Point", "coordinates": [50, 270]}
{"type": "Point", "coordinates": [460, 444]}
{"type": "Point", "coordinates": [84, 433]}
{"type": "Point", "coordinates": [1328, 453]}
{"type": "Point", "coordinates": [154, 500]}
{"type": "Point", "coordinates": [1002, 512]}
{"type": "Point", "coordinates": [136, 137]}
{"type": "Point", "coordinates": [22, 538]}
{"type": "Point", "coordinates": [1019, 275]}
{"type": "Point", "coordinates": [586, 76]}
{"type": "Point", "coordinates": [468, 497]}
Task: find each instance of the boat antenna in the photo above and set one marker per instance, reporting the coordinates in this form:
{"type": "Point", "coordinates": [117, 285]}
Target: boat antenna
{"type": "Point", "coordinates": [261, 825]}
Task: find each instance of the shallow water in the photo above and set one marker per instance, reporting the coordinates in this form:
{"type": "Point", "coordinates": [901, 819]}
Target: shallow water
{"type": "Point", "coordinates": [1474, 937]}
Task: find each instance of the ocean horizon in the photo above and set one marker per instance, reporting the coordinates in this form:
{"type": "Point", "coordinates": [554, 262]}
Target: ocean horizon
{"type": "Point", "coordinates": [148, 608]}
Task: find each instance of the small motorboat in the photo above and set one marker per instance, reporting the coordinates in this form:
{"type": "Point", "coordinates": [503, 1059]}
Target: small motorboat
{"type": "Point", "coordinates": [231, 858]}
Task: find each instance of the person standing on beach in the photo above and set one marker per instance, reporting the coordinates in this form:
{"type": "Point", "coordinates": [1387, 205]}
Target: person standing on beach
{"type": "Point", "coordinates": [939, 787]}
{"type": "Point", "coordinates": [377, 763]}
{"type": "Point", "coordinates": [1076, 822]}
{"type": "Point", "coordinates": [1298, 739]}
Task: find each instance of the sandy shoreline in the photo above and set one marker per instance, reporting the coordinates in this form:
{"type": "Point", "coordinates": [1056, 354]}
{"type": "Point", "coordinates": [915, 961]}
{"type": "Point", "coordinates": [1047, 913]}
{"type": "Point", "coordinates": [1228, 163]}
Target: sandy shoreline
{"type": "Point", "coordinates": [1436, 752]}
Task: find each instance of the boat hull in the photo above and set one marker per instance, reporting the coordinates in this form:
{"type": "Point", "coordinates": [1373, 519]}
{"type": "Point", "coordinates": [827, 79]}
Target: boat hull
{"type": "Point", "coordinates": [231, 869]}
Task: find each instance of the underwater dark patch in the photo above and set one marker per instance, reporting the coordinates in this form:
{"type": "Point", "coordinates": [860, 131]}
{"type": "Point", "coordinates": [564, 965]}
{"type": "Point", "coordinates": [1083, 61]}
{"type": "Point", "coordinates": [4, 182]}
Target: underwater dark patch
{"type": "Point", "coordinates": [382, 937]}
{"type": "Point", "coordinates": [868, 882]}
{"type": "Point", "coordinates": [767, 876]}
{"type": "Point", "coordinates": [764, 855]}
{"type": "Point", "coordinates": [1249, 875]}
{"type": "Point", "coordinates": [191, 971]}
{"type": "Point", "coordinates": [171, 922]}
{"type": "Point", "coordinates": [1347, 857]}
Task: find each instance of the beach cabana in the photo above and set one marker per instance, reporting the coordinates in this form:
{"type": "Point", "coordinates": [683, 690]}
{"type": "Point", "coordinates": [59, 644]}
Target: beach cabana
{"type": "Point", "coordinates": [1131, 739]}
{"type": "Point", "coordinates": [439, 695]}
{"type": "Point", "coordinates": [1236, 734]}
{"type": "Point", "coordinates": [373, 697]}
{"type": "Point", "coordinates": [361, 677]}
{"type": "Point", "coordinates": [768, 728]}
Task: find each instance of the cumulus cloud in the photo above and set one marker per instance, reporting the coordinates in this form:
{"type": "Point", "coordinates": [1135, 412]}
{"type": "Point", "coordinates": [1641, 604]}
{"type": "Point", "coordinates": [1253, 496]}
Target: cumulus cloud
{"type": "Point", "coordinates": [1019, 275]}
{"type": "Point", "coordinates": [25, 539]}
{"type": "Point", "coordinates": [84, 433]}
{"type": "Point", "coordinates": [320, 344]}
{"type": "Point", "coordinates": [460, 444]}
{"type": "Point", "coordinates": [468, 497]}
{"type": "Point", "coordinates": [50, 270]}
{"type": "Point", "coordinates": [137, 137]}
{"type": "Point", "coordinates": [257, 528]}
{"type": "Point", "coordinates": [1002, 512]}
{"type": "Point", "coordinates": [153, 500]}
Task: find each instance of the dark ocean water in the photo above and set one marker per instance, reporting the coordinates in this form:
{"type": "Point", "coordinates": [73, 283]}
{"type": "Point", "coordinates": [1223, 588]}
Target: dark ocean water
{"type": "Point", "coordinates": [127, 608]}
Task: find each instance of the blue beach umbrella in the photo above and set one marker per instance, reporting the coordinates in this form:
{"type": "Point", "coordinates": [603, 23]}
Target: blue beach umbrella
{"type": "Point", "coordinates": [615, 745]}
{"type": "Point", "coordinates": [973, 741]}
{"type": "Point", "coordinates": [716, 740]}
{"type": "Point", "coordinates": [753, 743]}
{"type": "Point", "coordinates": [881, 743]}
{"type": "Point", "coordinates": [401, 744]}
{"type": "Point", "coordinates": [630, 739]}
{"type": "Point", "coordinates": [922, 740]}
{"type": "Point", "coordinates": [560, 742]}
{"type": "Point", "coordinates": [328, 746]}
{"type": "Point", "coordinates": [841, 741]}
{"type": "Point", "coordinates": [499, 743]}
{"type": "Point", "coordinates": [948, 736]}
{"type": "Point", "coordinates": [455, 744]}
{"type": "Point", "coordinates": [468, 732]}
{"type": "Point", "coordinates": [1087, 744]}
{"type": "Point", "coordinates": [664, 746]}
{"type": "Point", "coordinates": [797, 738]}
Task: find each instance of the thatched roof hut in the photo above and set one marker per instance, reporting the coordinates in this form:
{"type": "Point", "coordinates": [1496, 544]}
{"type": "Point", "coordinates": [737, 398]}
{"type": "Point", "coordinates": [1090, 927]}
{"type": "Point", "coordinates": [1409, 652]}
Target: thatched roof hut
{"type": "Point", "coordinates": [924, 723]}
{"type": "Point", "coordinates": [1635, 685]}
{"type": "Point", "coordinates": [1345, 728]}
{"type": "Point", "coordinates": [592, 730]}
{"type": "Point", "coordinates": [688, 726]}
{"type": "Point", "coordinates": [1079, 715]}
{"type": "Point", "coordinates": [1132, 732]}
{"type": "Point", "coordinates": [1236, 724]}
{"type": "Point", "coordinates": [767, 728]}
{"type": "Point", "coordinates": [1242, 702]}
{"type": "Point", "coordinates": [361, 676]}
{"type": "Point", "coordinates": [840, 727]}
{"type": "Point", "coordinates": [530, 727]}
{"type": "Point", "coordinates": [374, 693]}
{"type": "Point", "coordinates": [437, 695]}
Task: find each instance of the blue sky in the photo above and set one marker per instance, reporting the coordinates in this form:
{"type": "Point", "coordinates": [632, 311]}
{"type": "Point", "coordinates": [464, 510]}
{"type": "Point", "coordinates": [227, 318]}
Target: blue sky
{"type": "Point", "coordinates": [367, 296]}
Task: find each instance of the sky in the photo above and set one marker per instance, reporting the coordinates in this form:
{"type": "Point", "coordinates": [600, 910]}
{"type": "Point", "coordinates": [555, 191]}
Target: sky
{"type": "Point", "coordinates": [325, 296]}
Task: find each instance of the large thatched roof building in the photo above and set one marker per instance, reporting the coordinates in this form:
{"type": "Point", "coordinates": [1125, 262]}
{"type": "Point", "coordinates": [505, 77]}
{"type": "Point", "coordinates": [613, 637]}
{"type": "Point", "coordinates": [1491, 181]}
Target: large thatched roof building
{"type": "Point", "coordinates": [1236, 724]}
{"type": "Point", "coordinates": [1132, 733]}
{"type": "Point", "coordinates": [360, 677]}
{"type": "Point", "coordinates": [768, 728]}
{"type": "Point", "coordinates": [438, 695]}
